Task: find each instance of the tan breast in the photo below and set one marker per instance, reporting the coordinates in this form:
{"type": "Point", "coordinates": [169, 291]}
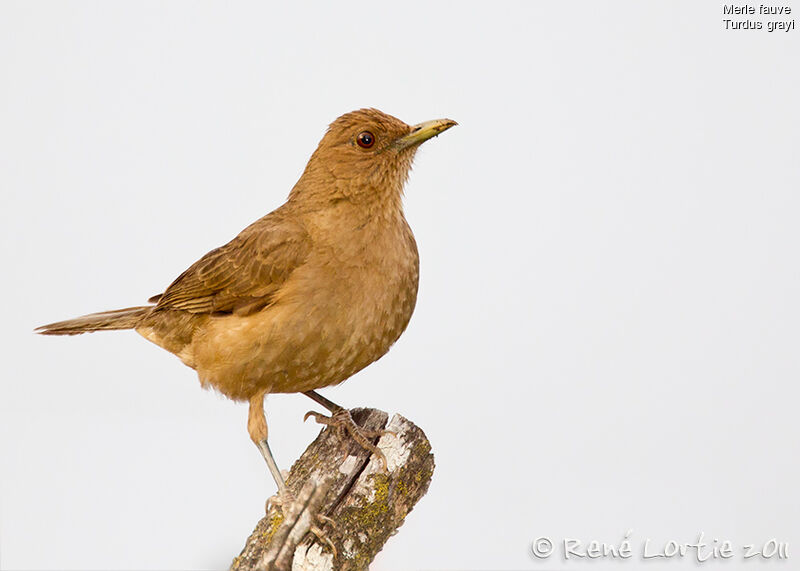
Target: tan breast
{"type": "Point", "coordinates": [338, 313]}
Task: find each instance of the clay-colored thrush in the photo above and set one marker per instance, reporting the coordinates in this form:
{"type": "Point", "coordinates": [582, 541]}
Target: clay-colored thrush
{"type": "Point", "coordinates": [309, 294]}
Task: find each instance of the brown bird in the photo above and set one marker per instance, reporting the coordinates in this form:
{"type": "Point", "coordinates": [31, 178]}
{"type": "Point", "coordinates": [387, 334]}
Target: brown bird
{"type": "Point", "coordinates": [309, 294]}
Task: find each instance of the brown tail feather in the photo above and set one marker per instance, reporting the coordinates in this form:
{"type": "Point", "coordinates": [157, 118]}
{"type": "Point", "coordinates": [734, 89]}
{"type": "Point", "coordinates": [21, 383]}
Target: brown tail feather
{"type": "Point", "coordinates": [106, 320]}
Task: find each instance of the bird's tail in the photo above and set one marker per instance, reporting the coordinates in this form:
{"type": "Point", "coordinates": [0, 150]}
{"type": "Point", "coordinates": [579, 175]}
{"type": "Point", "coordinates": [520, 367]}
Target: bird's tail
{"type": "Point", "coordinates": [106, 320]}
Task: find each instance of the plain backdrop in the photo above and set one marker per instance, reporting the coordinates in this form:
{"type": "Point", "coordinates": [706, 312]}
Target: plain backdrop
{"type": "Point", "coordinates": [606, 337]}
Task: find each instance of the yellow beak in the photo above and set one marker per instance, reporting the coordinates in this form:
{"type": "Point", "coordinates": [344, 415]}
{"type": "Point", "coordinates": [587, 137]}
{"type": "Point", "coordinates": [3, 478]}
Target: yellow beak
{"type": "Point", "coordinates": [424, 131]}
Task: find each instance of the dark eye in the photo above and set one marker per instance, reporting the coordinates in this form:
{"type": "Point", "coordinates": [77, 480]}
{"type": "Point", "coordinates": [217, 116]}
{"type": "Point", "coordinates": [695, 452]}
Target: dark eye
{"type": "Point", "coordinates": [365, 139]}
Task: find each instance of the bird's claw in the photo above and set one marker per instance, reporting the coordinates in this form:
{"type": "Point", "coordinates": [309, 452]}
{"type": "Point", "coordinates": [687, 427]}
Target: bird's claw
{"type": "Point", "coordinates": [283, 499]}
{"type": "Point", "coordinates": [323, 519]}
{"type": "Point", "coordinates": [342, 421]}
{"type": "Point", "coordinates": [323, 537]}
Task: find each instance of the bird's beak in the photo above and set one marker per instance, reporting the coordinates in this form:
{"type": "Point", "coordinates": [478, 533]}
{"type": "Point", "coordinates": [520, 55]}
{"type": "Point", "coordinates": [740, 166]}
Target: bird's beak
{"type": "Point", "coordinates": [424, 131]}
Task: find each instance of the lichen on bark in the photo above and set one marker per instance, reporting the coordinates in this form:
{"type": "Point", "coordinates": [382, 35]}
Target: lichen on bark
{"type": "Point", "coordinates": [344, 494]}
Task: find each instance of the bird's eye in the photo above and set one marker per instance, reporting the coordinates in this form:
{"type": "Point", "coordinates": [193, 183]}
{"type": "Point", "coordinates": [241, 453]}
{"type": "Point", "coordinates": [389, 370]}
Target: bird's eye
{"type": "Point", "coordinates": [365, 139]}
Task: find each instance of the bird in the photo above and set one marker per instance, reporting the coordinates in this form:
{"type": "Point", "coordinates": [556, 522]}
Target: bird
{"type": "Point", "coordinates": [306, 296]}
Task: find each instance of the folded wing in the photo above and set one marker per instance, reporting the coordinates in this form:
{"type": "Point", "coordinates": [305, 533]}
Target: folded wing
{"type": "Point", "coordinates": [242, 276]}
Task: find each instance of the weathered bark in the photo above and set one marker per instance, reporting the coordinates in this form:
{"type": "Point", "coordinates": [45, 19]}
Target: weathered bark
{"type": "Point", "coordinates": [343, 493]}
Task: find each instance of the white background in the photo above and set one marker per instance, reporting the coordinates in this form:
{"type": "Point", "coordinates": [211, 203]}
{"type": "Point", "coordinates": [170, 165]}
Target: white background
{"type": "Point", "coordinates": [606, 336]}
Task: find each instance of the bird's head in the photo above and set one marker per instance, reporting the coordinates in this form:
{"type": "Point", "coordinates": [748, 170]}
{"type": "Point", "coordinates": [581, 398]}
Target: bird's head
{"type": "Point", "coordinates": [365, 156]}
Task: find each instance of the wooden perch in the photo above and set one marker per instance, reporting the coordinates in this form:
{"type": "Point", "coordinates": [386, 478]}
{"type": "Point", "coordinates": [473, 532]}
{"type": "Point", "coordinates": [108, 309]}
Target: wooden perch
{"type": "Point", "coordinates": [346, 506]}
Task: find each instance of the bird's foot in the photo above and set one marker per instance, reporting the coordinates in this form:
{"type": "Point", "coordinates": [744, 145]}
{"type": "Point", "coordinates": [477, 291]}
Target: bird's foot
{"type": "Point", "coordinates": [343, 422]}
{"type": "Point", "coordinates": [283, 499]}
{"type": "Point", "coordinates": [322, 536]}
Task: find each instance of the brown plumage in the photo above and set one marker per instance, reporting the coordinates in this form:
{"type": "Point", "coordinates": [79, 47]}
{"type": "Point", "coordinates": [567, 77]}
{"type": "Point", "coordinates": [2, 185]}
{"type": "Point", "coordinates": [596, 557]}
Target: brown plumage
{"type": "Point", "coordinates": [309, 294]}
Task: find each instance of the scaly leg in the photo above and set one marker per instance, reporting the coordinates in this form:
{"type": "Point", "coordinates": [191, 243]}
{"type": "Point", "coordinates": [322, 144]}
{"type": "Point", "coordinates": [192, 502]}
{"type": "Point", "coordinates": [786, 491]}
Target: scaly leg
{"type": "Point", "coordinates": [257, 427]}
{"type": "Point", "coordinates": [341, 419]}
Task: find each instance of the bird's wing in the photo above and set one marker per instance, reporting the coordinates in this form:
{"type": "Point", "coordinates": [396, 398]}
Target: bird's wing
{"type": "Point", "coordinates": [242, 276]}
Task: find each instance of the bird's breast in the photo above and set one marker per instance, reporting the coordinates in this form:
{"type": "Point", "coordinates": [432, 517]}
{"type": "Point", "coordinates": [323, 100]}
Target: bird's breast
{"type": "Point", "coordinates": [337, 313]}
{"type": "Point", "coordinates": [369, 299]}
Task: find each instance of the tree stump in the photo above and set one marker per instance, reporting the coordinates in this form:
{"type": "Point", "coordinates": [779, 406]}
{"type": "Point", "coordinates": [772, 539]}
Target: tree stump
{"type": "Point", "coordinates": [346, 506]}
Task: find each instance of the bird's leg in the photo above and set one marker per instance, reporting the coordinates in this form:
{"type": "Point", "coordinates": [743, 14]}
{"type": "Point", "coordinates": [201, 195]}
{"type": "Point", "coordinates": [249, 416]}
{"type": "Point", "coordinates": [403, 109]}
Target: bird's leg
{"type": "Point", "coordinates": [341, 419]}
{"type": "Point", "coordinates": [257, 427]}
